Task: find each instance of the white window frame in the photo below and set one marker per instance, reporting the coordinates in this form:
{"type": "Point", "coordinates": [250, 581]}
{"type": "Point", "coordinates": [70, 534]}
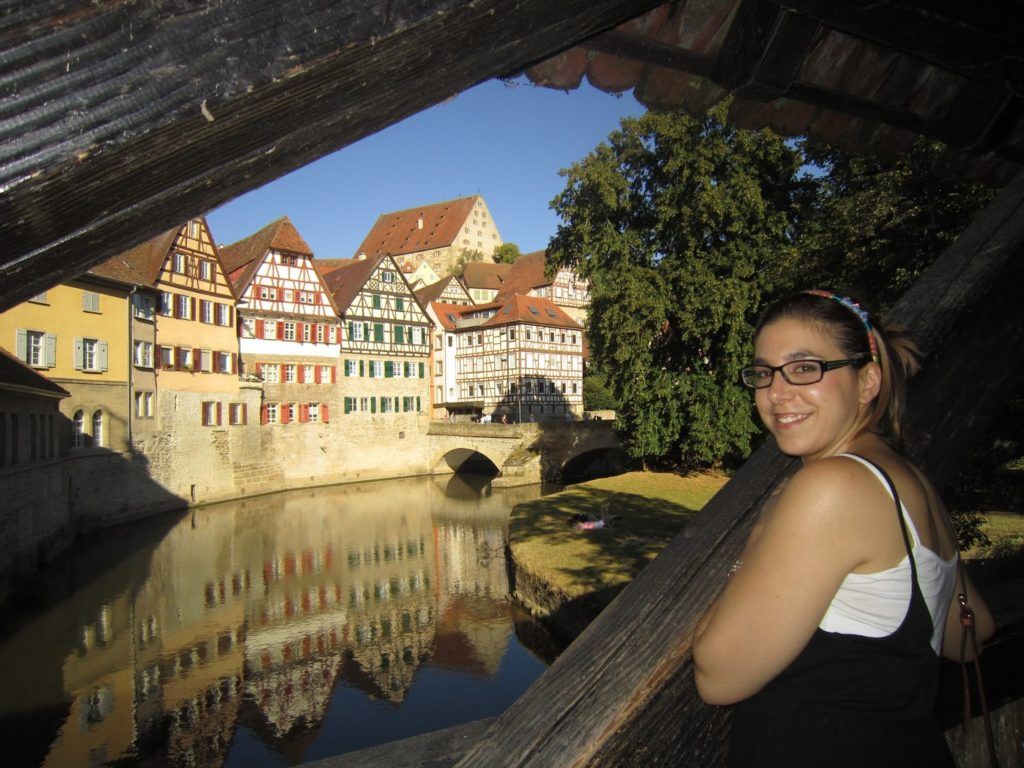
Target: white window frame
{"type": "Point", "coordinates": [313, 412]}
{"type": "Point", "coordinates": [143, 357]}
{"type": "Point", "coordinates": [269, 329]}
{"type": "Point", "coordinates": [289, 331]}
{"type": "Point", "coordinates": [272, 373]}
{"type": "Point", "coordinates": [291, 373]}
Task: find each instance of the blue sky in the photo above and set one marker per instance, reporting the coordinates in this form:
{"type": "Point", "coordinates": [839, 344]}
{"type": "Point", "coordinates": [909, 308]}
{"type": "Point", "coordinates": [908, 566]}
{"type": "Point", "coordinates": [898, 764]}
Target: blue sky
{"type": "Point", "coordinates": [505, 142]}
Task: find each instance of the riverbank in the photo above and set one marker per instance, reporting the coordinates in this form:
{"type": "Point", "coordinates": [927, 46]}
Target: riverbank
{"type": "Point", "coordinates": [565, 574]}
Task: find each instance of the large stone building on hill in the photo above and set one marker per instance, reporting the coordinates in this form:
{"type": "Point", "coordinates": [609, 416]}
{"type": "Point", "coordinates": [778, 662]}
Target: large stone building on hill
{"type": "Point", "coordinates": [436, 234]}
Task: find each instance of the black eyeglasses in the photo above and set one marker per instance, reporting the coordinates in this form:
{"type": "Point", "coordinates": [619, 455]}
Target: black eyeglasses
{"type": "Point", "coordinates": [796, 372]}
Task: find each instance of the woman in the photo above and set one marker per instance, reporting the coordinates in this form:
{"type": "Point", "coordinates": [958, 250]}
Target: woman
{"type": "Point", "coordinates": [829, 630]}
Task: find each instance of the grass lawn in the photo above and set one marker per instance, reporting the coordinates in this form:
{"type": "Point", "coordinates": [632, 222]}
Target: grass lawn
{"type": "Point", "coordinates": [574, 563]}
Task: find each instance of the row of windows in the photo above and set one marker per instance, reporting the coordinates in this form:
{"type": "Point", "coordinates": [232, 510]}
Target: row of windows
{"type": "Point", "coordinates": [193, 359]}
{"type": "Point", "coordinates": [90, 301]}
{"type": "Point", "coordinates": [288, 330]}
{"type": "Point", "coordinates": [290, 295]}
{"type": "Point", "coordinates": [387, 333]}
{"type": "Point", "coordinates": [378, 301]}
{"type": "Point", "coordinates": [41, 433]}
{"type": "Point", "coordinates": [529, 334]}
{"type": "Point", "coordinates": [192, 266]}
{"type": "Point", "coordinates": [544, 361]}
{"type": "Point", "coordinates": [39, 350]}
{"type": "Point", "coordinates": [540, 387]}
{"type": "Point", "coordinates": [384, 369]}
{"type": "Point", "coordinates": [182, 307]}
{"type": "Point", "coordinates": [287, 413]}
{"type": "Point", "coordinates": [402, 404]}
{"type": "Point", "coordinates": [213, 413]}
{"type": "Point", "coordinates": [296, 373]}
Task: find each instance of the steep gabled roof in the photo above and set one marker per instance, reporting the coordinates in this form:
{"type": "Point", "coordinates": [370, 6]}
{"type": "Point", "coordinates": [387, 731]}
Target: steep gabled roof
{"type": "Point", "coordinates": [532, 309]}
{"type": "Point", "coordinates": [401, 232]}
{"type": "Point", "coordinates": [448, 315]}
{"type": "Point", "coordinates": [484, 274]}
{"type": "Point", "coordinates": [241, 260]}
{"type": "Point", "coordinates": [525, 274]}
{"type": "Point", "coordinates": [347, 278]}
{"type": "Point", "coordinates": [431, 293]}
{"type": "Point", "coordinates": [17, 377]}
{"type": "Point", "coordinates": [140, 265]}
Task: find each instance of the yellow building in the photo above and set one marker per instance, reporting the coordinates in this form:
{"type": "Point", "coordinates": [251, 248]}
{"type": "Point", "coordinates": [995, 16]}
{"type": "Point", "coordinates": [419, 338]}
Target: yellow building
{"type": "Point", "coordinates": [77, 335]}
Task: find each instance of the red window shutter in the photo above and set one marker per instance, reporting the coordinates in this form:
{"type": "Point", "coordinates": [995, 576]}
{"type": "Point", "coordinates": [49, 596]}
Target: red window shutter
{"type": "Point", "coordinates": [259, 369]}
{"type": "Point", "coordinates": [303, 413]}
{"type": "Point", "coordinates": [175, 306]}
{"type": "Point", "coordinates": [334, 374]}
{"type": "Point", "coordinates": [196, 359]}
{"type": "Point", "coordinates": [192, 308]}
{"type": "Point", "coordinates": [245, 413]}
{"type": "Point", "coordinates": [284, 413]}
{"type": "Point", "coordinates": [219, 422]}
{"type": "Point", "coordinates": [323, 412]}
{"type": "Point", "coordinates": [231, 315]}
{"type": "Point", "coordinates": [234, 362]}
{"type": "Point", "coordinates": [316, 373]}
{"type": "Point", "coordinates": [298, 331]}
{"type": "Point", "coordinates": [259, 329]}
{"type": "Point", "coordinates": [178, 357]}
{"type": "Point", "coordinates": [301, 374]}
{"type": "Point", "coordinates": [204, 418]}
{"type": "Point", "coordinates": [280, 372]}
{"type": "Point", "coordinates": [264, 414]}
{"type": "Point", "coordinates": [280, 329]}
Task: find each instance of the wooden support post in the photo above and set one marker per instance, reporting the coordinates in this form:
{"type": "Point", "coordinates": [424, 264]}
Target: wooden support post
{"type": "Point", "coordinates": [623, 693]}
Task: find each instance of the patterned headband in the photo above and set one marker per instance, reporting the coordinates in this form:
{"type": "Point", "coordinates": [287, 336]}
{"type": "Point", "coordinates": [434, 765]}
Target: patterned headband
{"type": "Point", "coordinates": [861, 314]}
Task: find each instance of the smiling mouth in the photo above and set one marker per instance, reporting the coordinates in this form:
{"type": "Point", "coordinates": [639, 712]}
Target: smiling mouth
{"type": "Point", "coordinates": [788, 419]}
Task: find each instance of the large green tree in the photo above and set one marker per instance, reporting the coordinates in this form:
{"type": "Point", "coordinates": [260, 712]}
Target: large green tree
{"type": "Point", "coordinates": [875, 226]}
{"type": "Point", "coordinates": [683, 226]}
{"type": "Point", "coordinates": [506, 253]}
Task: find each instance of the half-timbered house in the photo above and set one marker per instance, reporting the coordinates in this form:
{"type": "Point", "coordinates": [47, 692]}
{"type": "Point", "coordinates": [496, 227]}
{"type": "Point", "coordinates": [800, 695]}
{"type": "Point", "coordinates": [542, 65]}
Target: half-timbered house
{"type": "Point", "coordinates": [528, 276]}
{"type": "Point", "coordinates": [444, 386]}
{"type": "Point", "coordinates": [196, 351]}
{"type": "Point", "coordinates": [522, 359]}
{"type": "Point", "coordinates": [436, 234]}
{"type": "Point", "coordinates": [288, 324]}
{"type": "Point", "coordinates": [448, 290]}
{"type": "Point", "coordinates": [385, 343]}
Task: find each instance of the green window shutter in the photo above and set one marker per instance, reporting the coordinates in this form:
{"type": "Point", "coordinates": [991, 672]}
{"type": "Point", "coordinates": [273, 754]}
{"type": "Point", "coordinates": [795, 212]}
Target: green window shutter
{"type": "Point", "coordinates": [421, 370]}
{"type": "Point", "coordinates": [351, 330]}
{"type": "Point", "coordinates": [418, 409]}
{"type": "Point", "coordinates": [79, 355]}
{"type": "Point", "coordinates": [396, 404]}
{"type": "Point", "coordinates": [373, 405]}
{"type": "Point", "coordinates": [399, 335]}
{"type": "Point", "coordinates": [101, 352]}
{"type": "Point", "coordinates": [371, 370]}
{"type": "Point", "coordinates": [348, 405]}
{"type": "Point", "coordinates": [399, 304]}
{"type": "Point", "coordinates": [21, 345]}
{"type": "Point", "coordinates": [346, 373]}
{"type": "Point", "coordinates": [361, 372]}
{"type": "Point", "coordinates": [389, 369]}
{"type": "Point", "coordinates": [378, 331]}
{"type": "Point", "coordinates": [51, 350]}
{"type": "Point", "coordinates": [376, 301]}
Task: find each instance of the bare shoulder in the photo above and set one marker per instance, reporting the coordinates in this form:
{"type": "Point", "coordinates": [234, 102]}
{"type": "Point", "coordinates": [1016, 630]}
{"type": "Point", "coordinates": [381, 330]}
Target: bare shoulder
{"type": "Point", "coordinates": [837, 488]}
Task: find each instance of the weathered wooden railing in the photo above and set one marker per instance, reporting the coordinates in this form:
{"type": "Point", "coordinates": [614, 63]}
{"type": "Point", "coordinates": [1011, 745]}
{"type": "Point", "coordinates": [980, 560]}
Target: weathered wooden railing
{"type": "Point", "coordinates": [623, 694]}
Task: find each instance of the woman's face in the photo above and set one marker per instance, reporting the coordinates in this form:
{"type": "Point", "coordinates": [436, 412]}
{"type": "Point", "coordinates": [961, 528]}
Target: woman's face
{"type": "Point", "coordinates": [811, 421]}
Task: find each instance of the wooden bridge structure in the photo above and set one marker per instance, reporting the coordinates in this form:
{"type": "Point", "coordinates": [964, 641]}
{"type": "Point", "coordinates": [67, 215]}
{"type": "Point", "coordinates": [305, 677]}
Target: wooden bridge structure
{"type": "Point", "coordinates": [120, 119]}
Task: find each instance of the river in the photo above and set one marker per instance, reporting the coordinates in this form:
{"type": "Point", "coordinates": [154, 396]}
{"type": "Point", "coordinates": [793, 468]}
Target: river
{"type": "Point", "coordinates": [268, 631]}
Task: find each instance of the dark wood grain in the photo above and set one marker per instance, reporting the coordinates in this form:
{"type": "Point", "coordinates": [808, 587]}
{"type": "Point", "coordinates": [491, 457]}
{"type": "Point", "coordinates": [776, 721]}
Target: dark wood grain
{"type": "Point", "coordinates": [121, 121]}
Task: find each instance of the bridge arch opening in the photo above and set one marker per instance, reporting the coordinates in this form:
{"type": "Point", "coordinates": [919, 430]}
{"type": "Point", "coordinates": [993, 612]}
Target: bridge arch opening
{"type": "Point", "coordinates": [468, 461]}
{"type": "Point", "coordinates": [600, 462]}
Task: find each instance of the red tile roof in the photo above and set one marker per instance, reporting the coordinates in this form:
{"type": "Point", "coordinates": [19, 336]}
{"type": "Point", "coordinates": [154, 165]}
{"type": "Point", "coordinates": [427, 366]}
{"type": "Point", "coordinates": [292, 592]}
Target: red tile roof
{"type": "Point", "coordinates": [526, 274]}
{"type": "Point", "coordinates": [431, 293]}
{"type": "Point", "coordinates": [140, 265]}
{"type": "Point", "coordinates": [241, 260]}
{"type": "Point", "coordinates": [531, 309]}
{"type": "Point", "coordinates": [16, 376]}
{"type": "Point", "coordinates": [348, 276]}
{"type": "Point", "coordinates": [401, 232]}
{"type": "Point", "coordinates": [485, 274]}
{"type": "Point", "coordinates": [446, 312]}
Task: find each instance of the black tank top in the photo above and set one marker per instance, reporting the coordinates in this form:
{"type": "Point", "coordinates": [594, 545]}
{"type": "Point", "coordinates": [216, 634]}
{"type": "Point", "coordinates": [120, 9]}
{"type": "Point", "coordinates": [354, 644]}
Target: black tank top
{"type": "Point", "coordinates": [849, 700]}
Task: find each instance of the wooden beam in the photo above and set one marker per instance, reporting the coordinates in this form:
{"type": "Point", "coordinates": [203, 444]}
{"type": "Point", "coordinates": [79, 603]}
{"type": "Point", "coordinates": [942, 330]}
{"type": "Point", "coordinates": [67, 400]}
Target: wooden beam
{"type": "Point", "coordinates": [981, 41]}
{"type": "Point", "coordinates": [122, 120]}
{"type": "Point", "coordinates": [623, 693]}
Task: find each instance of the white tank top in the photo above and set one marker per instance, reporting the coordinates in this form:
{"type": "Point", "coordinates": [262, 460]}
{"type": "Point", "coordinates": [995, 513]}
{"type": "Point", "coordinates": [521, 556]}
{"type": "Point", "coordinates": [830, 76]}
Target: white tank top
{"type": "Point", "coordinates": [875, 604]}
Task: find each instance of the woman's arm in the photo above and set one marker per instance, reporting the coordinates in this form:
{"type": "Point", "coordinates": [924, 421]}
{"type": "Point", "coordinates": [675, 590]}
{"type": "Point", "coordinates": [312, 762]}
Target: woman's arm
{"type": "Point", "coordinates": [984, 624]}
{"type": "Point", "coordinates": [772, 605]}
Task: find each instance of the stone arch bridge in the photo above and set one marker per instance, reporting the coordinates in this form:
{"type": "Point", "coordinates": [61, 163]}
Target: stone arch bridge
{"type": "Point", "coordinates": [525, 453]}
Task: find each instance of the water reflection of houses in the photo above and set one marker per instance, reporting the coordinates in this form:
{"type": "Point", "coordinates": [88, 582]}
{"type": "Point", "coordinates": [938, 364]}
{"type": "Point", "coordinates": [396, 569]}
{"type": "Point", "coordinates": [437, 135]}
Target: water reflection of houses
{"type": "Point", "coordinates": [253, 612]}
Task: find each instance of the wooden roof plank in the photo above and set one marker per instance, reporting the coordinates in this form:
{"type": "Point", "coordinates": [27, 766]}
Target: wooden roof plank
{"type": "Point", "coordinates": [180, 109]}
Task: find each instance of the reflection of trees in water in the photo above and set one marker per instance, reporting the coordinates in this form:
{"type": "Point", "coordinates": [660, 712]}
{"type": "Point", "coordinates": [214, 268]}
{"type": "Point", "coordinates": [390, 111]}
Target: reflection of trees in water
{"type": "Point", "coordinates": [252, 612]}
